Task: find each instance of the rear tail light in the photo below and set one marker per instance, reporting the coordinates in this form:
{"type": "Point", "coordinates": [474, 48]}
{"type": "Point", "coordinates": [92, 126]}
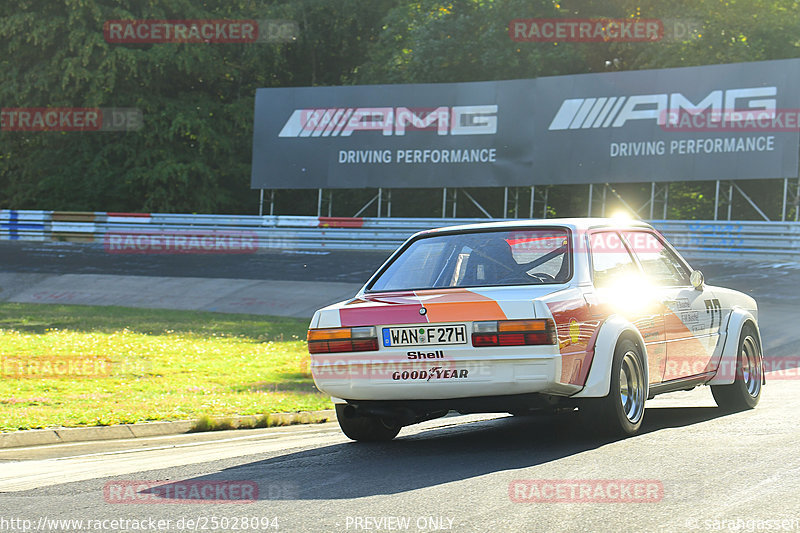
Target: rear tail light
{"type": "Point", "coordinates": [336, 340]}
{"type": "Point", "coordinates": [513, 333]}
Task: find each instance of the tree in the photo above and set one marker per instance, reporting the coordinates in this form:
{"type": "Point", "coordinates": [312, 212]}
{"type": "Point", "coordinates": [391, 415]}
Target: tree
{"type": "Point", "coordinates": [193, 153]}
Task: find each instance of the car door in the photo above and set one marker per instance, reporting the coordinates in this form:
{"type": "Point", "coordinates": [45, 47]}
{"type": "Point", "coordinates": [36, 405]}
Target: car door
{"type": "Point", "coordinates": [691, 316]}
{"type": "Point", "coordinates": [620, 290]}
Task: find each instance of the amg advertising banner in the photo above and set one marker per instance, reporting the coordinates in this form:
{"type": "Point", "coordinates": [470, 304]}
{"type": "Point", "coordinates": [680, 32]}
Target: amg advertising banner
{"type": "Point", "coordinates": [434, 135]}
{"type": "Point", "coordinates": [698, 123]}
{"type": "Point", "coordinates": [737, 121]}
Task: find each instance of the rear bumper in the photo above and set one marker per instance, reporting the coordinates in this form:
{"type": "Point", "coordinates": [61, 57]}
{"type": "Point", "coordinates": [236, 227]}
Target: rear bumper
{"type": "Point", "coordinates": [504, 372]}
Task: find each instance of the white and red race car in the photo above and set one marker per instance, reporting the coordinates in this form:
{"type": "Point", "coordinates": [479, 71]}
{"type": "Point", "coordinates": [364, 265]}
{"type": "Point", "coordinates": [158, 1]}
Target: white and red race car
{"type": "Point", "coordinates": [593, 314]}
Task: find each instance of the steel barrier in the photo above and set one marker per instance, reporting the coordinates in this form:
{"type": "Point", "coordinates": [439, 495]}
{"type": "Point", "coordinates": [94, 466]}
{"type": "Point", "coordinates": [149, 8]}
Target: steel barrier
{"type": "Point", "coordinates": [762, 240]}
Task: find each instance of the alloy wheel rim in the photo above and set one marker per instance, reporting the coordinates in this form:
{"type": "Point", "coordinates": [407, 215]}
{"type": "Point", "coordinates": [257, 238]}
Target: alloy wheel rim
{"type": "Point", "coordinates": [631, 387]}
{"type": "Point", "coordinates": [751, 367]}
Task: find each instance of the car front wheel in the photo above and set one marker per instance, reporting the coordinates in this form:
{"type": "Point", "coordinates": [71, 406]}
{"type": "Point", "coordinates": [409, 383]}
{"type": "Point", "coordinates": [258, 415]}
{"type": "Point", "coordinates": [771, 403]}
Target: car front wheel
{"type": "Point", "coordinates": [745, 391]}
{"type": "Point", "coordinates": [621, 412]}
{"type": "Point", "coordinates": [365, 428]}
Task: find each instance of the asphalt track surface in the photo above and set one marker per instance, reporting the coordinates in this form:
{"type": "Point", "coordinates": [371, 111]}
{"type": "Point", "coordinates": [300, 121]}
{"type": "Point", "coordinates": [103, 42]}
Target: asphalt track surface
{"type": "Point", "coordinates": [285, 283]}
{"type": "Point", "coordinates": [288, 265]}
{"type": "Point", "coordinates": [716, 471]}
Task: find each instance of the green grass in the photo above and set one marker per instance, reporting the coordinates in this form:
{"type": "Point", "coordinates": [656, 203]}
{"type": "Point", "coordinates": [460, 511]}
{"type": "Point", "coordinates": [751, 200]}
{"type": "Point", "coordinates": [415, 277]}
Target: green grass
{"type": "Point", "coordinates": [164, 365]}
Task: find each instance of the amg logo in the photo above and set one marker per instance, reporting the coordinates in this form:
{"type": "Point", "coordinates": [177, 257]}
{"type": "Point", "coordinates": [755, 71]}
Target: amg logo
{"type": "Point", "coordinates": [342, 122]}
{"type": "Point", "coordinates": [604, 112]}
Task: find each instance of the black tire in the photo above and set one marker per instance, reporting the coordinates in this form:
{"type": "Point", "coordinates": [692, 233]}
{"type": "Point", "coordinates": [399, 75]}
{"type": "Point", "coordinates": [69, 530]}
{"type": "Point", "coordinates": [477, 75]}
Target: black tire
{"type": "Point", "coordinates": [365, 428]}
{"type": "Point", "coordinates": [621, 411]}
{"type": "Point", "coordinates": [745, 391]}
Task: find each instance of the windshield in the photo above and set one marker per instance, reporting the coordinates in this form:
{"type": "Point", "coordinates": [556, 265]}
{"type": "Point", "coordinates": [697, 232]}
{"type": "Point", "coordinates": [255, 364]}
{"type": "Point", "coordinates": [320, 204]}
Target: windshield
{"type": "Point", "coordinates": [479, 259]}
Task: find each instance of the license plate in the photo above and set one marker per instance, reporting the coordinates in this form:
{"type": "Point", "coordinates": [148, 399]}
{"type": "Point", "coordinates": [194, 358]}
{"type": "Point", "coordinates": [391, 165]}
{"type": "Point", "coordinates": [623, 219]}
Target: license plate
{"type": "Point", "coordinates": [425, 335]}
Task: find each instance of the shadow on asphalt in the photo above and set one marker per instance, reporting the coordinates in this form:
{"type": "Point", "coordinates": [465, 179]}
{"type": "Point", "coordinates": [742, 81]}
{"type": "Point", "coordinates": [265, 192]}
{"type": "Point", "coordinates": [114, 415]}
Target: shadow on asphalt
{"type": "Point", "coordinates": [436, 456]}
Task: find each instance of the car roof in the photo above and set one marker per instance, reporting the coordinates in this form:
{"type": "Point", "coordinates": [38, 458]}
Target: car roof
{"type": "Point", "coordinates": [575, 224]}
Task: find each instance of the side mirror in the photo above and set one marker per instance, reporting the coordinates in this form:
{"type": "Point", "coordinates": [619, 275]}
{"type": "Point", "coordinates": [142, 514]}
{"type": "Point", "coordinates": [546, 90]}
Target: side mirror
{"type": "Point", "coordinates": [697, 280]}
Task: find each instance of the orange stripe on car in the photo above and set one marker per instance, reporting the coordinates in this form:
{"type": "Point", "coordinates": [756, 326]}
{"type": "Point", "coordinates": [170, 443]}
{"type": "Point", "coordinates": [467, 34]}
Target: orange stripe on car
{"type": "Point", "coordinates": [459, 306]}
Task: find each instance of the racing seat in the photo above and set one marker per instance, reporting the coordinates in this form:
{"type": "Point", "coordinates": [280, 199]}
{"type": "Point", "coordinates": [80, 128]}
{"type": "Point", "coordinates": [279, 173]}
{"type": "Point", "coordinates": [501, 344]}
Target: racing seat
{"type": "Point", "coordinates": [563, 272]}
{"type": "Point", "coordinates": [489, 263]}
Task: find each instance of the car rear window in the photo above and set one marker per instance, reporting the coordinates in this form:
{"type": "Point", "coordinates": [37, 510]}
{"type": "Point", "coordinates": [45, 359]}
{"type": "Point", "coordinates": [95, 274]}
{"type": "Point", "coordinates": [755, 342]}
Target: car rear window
{"type": "Point", "coordinates": [479, 259]}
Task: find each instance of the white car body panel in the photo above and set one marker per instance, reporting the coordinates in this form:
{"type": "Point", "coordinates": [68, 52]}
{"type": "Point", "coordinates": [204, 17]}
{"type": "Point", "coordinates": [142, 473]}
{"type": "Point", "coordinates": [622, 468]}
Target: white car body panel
{"type": "Point", "coordinates": [579, 366]}
{"type": "Point", "coordinates": [743, 311]}
{"type": "Point", "coordinates": [599, 379]}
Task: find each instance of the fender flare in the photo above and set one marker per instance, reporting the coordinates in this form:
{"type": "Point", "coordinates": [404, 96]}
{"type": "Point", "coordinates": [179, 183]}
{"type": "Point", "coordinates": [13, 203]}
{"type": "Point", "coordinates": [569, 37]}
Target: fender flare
{"type": "Point", "coordinates": [598, 382]}
{"type": "Point", "coordinates": [726, 371]}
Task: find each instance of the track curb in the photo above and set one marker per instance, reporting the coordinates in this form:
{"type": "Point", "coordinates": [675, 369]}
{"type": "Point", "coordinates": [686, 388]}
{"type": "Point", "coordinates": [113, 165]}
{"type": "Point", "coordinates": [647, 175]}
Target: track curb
{"type": "Point", "coordinates": [61, 435]}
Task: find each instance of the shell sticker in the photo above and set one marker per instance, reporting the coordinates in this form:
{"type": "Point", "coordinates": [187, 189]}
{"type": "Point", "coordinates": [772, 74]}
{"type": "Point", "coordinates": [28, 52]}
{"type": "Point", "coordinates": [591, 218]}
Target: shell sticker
{"type": "Point", "coordinates": [574, 331]}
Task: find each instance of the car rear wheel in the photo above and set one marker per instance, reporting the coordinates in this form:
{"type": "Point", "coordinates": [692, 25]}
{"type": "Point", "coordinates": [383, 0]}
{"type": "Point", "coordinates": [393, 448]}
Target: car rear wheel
{"type": "Point", "coordinates": [745, 391]}
{"type": "Point", "coordinates": [365, 428]}
{"type": "Point", "coordinates": [620, 413]}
